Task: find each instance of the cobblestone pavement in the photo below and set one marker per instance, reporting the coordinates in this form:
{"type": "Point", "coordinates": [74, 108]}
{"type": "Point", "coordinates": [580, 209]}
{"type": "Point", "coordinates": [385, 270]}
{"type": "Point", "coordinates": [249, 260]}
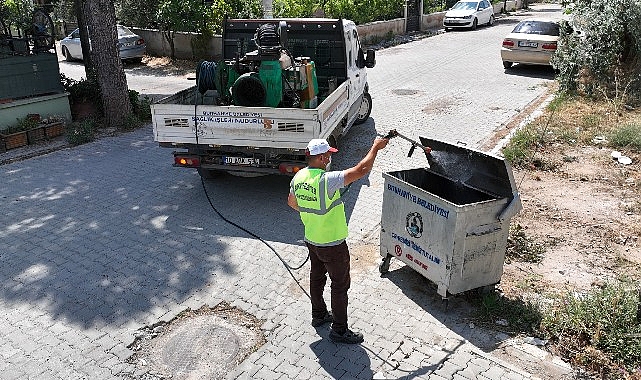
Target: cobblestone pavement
{"type": "Point", "coordinates": [100, 240]}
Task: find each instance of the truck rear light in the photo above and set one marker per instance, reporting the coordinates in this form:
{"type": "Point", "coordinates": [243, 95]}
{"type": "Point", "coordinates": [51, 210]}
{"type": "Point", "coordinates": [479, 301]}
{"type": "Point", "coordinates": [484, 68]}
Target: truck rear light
{"type": "Point", "coordinates": [549, 46]}
{"type": "Point", "coordinates": [508, 43]}
{"type": "Point", "coordinates": [187, 161]}
{"type": "Point", "coordinates": [140, 41]}
{"type": "Point", "coordinates": [290, 168]}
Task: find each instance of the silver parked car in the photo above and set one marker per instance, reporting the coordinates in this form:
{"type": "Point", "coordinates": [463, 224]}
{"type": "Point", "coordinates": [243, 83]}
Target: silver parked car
{"type": "Point", "coordinates": [132, 46]}
{"type": "Point", "coordinates": [469, 14]}
{"type": "Point", "coordinates": [532, 41]}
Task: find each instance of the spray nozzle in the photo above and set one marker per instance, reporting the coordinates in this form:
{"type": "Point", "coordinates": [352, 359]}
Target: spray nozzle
{"type": "Point", "coordinates": [391, 134]}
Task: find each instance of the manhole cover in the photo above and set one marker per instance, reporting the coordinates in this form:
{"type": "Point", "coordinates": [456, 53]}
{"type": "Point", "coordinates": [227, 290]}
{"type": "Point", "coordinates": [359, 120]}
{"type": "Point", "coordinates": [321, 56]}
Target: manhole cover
{"type": "Point", "coordinates": [405, 92]}
{"type": "Point", "coordinates": [202, 344]}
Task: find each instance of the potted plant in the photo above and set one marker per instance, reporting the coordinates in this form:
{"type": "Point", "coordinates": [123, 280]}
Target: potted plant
{"type": "Point", "coordinates": [84, 96]}
{"type": "Point", "coordinates": [31, 124]}
{"type": "Point", "coordinates": [14, 137]}
{"type": "Point", "coordinates": [53, 126]}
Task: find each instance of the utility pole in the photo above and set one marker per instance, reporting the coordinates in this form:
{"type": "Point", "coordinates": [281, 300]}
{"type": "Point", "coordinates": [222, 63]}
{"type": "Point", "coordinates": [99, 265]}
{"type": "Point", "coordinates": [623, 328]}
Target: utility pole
{"type": "Point", "coordinates": [267, 9]}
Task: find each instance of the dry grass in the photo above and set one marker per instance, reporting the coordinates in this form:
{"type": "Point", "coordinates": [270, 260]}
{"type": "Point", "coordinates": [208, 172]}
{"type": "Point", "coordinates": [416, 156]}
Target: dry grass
{"type": "Point", "coordinates": [170, 66]}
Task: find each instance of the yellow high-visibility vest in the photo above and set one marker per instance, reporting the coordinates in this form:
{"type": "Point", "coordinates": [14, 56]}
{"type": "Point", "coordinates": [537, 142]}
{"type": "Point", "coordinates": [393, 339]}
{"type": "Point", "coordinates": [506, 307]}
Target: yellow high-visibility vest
{"type": "Point", "coordinates": [322, 214]}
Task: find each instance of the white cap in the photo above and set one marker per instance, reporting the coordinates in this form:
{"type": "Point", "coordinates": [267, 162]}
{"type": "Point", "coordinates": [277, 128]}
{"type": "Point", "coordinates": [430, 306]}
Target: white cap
{"type": "Point", "coordinates": [319, 146]}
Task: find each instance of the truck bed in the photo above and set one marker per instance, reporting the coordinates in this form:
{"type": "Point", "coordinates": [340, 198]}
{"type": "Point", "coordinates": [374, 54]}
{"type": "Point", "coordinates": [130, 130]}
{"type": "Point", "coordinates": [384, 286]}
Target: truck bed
{"type": "Point", "coordinates": [174, 121]}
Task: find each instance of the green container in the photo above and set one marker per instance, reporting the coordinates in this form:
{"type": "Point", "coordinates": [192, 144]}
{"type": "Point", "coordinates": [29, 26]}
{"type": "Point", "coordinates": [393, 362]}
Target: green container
{"type": "Point", "coordinates": [224, 79]}
{"type": "Point", "coordinates": [314, 79]}
{"type": "Point", "coordinates": [29, 75]}
{"type": "Point", "coordinates": [271, 75]}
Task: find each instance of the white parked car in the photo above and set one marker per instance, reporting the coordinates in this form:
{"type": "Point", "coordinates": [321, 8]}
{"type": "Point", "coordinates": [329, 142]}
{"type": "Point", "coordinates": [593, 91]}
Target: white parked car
{"type": "Point", "coordinates": [469, 14]}
{"type": "Point", "coordinates": [132, 47]}
{"type": "Point", "coordinates": [532, 42]}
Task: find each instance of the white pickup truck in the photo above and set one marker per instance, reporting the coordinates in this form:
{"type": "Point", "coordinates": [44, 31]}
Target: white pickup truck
{"type": "Point", "coordinates": [281, 83]}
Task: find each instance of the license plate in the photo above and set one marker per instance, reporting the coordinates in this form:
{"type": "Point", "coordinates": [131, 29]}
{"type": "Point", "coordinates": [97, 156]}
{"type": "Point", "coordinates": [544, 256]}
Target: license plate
{"type": "Point", "coordinates": [241, 161]}
{"type": "Point", "coordinates": [528, 44]}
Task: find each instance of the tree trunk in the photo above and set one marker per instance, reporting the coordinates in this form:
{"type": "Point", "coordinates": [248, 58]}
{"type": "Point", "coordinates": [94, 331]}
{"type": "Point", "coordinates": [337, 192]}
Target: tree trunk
{"type": "Point", "coordinates": [108, 66]}
{"type": "Point", "coordinates": [83, 17]}
{"type": "Point", "coordinates": [169, 37]}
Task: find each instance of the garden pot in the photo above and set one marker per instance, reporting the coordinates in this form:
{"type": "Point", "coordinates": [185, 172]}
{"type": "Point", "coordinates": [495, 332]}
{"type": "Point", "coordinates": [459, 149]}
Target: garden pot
{"type": "Point", "coordinates": [15, 140]}
{"type": "Point", "coordinates": [35, 134]}
{"type": "Point", "coordinates": [54, 129]}
{"type": "Point", "coordinates": [83, 110]}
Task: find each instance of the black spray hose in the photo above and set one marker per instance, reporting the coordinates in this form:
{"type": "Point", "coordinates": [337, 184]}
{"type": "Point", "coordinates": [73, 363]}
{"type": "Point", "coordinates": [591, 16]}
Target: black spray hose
{"type": "Point", "coordinates": [287, 266]}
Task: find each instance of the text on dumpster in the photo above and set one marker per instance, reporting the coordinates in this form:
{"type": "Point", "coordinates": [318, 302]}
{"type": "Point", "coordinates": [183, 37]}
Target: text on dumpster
{"type": "Point", "coordinates": [418, 200]}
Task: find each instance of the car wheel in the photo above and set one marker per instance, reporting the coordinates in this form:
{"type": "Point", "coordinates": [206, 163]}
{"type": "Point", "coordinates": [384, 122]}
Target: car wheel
{"type": "Point", "coordinates": [65, 53]}
{"type": "Point", "coordinates": [475, 23]}
{"type": "Point", "coordinates": [507, 64]}
{"type": "Point", "coordinates": [365, 109]}
{"type": "Point", "coordinates": [491, 22]}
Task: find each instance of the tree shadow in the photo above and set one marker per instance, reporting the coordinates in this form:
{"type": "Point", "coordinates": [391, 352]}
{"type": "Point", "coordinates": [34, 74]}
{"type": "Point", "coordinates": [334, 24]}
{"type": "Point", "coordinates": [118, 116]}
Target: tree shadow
{"type": "Point", "coordinates": [109, 232]}
{"type": "Point", "coordinates": [109, 242]}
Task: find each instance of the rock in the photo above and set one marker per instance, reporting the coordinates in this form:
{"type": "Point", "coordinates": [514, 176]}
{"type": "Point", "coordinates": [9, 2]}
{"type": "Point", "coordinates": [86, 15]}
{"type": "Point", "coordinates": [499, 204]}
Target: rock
{"type": "Point", "coordinates": [624, 160]}
{"type": "Point", "coordinates": [535, 341]}
{"type": "Point", "coordinates": [502, 322]}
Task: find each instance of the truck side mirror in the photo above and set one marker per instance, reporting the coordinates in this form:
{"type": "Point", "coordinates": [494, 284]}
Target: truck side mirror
{"type": "Point", "coordinates": [360, 60]}
{"type": "Point", "coordinates": [370, 61]}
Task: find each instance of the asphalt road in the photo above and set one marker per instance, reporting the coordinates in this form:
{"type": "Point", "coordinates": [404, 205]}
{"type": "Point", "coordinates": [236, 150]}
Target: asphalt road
{"type": "Point", "coordinates": [101, 240]}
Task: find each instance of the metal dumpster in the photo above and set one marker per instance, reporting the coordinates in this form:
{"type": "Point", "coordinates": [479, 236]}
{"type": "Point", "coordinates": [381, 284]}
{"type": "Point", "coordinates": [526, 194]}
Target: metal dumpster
{"type": "Point", "coordinates": [450, 221]}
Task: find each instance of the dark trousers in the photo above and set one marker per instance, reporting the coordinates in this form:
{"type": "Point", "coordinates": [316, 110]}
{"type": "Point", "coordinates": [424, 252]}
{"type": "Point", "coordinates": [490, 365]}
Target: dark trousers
{"type": "Point", "coordinates": [334, 261]}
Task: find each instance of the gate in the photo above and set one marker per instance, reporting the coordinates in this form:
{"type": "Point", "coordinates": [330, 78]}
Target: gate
{"type": "Point", "coordinates": [413, 21]}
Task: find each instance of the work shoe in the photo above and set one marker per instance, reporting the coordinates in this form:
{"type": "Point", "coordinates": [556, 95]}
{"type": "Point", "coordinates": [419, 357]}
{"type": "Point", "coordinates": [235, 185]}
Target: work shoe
{"type": "Point", "coordinates": [348, 337]}
{"type": "Point", "coordinates": [321, 321]}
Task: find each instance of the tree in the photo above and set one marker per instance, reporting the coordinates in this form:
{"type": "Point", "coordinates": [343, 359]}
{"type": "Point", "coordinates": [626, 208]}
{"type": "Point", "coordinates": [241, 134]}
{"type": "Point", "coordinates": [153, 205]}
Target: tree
{"type": "Point", "coordinates": [139, 13]}
{"type": "Point", "coordinates": [599, 50]}
{"type": "Point", "coordinates": [81, 17]}
{"type": "Point", "coordinates": [178, 15]}
{"type": "Point", "coordinates": [100, 16]}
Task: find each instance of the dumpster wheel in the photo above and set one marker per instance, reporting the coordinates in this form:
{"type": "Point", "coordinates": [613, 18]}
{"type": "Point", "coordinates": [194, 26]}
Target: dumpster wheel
{"type": "Point", "coordinates": [383, 267]}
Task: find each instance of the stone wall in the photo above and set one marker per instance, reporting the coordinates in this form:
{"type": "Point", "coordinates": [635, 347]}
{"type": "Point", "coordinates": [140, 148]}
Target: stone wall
{"type": "Point", "coordinates": [157, 46]}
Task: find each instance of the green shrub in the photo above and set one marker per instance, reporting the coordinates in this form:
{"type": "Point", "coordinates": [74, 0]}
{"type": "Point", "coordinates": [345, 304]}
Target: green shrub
{"type": "Point", "coordinates": [599, 329]}
{"type": "Point", "coordinates": [599, 50]}
{"type": "Point", "coordinates": [523, 248]}
{"type": "Point", "coordinates": [23, 124]}
{"type": "Point", "coordinates": [84, 90]}
{"type": "Point", "coordinates": [628, 136]}
{"type": "Point", "coordinates": [522, 146]}
{"type": "Point", "coordinates": [141, 106]}
{"type": "Point", "coordinates": [80, 132]}
{"type": "Point", "coordinates": [521, 316]}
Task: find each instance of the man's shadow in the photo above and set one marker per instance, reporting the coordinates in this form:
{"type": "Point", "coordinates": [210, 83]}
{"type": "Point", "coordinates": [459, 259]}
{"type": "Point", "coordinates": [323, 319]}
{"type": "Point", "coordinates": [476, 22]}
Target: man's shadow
{"type": "Point", "coordinates": [341, 361]}
{"type": "Point", "coordinates": [352, 361]}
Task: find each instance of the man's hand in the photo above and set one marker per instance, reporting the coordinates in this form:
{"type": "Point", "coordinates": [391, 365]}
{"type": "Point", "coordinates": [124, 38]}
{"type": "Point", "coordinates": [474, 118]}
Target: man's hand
{"type": "Point", "coordinates": [291, 201]}
{"type": "Point", "coordinates": [366, 164]}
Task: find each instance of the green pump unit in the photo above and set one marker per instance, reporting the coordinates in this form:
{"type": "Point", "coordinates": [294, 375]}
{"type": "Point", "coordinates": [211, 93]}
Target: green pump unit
{"type": "Point", "coordinates": [271, 76]}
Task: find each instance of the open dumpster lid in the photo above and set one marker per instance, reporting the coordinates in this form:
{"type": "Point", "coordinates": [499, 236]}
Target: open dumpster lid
{"type": "Point", "coordinates": [473, 168]}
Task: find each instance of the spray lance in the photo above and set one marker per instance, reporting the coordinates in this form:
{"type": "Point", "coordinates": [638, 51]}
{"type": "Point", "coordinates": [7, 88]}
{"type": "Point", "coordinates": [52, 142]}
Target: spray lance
{"type": "Point", "coordinates": [393, 133]}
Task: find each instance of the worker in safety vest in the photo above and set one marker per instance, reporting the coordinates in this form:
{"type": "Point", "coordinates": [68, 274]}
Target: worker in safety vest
{"type": "Point", "coordinates": [315, 194]}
